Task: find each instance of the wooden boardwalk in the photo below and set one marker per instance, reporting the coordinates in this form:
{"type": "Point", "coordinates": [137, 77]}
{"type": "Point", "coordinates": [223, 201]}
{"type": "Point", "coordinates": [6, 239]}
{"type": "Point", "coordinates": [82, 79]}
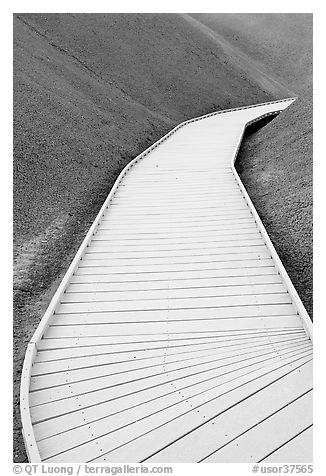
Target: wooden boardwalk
{"type": "Point", "coordinates": [176, 334]}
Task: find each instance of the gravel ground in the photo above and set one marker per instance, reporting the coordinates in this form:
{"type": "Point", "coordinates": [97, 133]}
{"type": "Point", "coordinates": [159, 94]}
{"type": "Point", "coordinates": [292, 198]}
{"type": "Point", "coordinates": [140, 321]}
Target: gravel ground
{"type": "Point", "coordinates": [281, 43]}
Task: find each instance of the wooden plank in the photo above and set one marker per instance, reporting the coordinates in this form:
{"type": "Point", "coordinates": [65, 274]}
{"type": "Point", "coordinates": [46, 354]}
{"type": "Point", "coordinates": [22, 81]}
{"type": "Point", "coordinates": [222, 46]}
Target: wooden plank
{"type": "Point", "coordinates": [262, 421]}
{"type": "Point", "coordinates": [194, 180]}
{"type": "Point", "coordinates": [132, 181]}
{"type": "Point", "coordinates": [177, 174]}
{"type": "Point", "coordinates": [200, 204]}
{"type": "Point", "coordinates": [74, 349]}
{"type": "Point", "coordinates": [176, 219]}
{"type": "Point", "coordinates": [176, 276]}
{"type": "Point", "coordinates": [188, 316]}
{"type": "Point", "coordinates": [147, 374]}
{"type": "Point", "coordinates": [119, 374]}
{"type": "Point", "coordinates": [178, 201]}
{"type": "Point", "coordinates": [142, 356]}
{"type": "Point", "coordinates": [162, 169]}
{"type": "Point", "coordinates": [179, 189]}
{"type": "Point", "coordinates": [174, 204]}
{"type": "Point", "coordinates": [175, 257]}
{"type": "Point", "coordinates": [165, 220]}
{"type": "Point", "coordinates": [177, 226]}
{"type": "Point", "coordinates": [163, 304]}
{"type": "Point", "coordinates": [177, 207]}
{"type": "Point", "coordinates": [180, 172]}
{"type": "Point", "coordinates": [217, 189]}
{"type": "Point", "coordinates": [245, 231]}
{"type": "Point", "coordinates": [195, 247]}
{"type": "Point", "coordinates": [62, 441]}
{"type": "Point", "coordinates": [172, 294]}
{"type": "Point", "coordinates": [161, 325]}
{"type": "Point", "coordinates": [162, 195]}
{"type": "Point", "coordinates": [157, 216]}
{"type": "Point", "coordinates": [90, 400]}
{"type": "Point", "coordinates": [246, 222]}
{"type": "Point", "coordinates": [279, 426]}
{"type": "Point", "coordinates": [164, 268]}
{"type": "Point", "coordinates": [109, 260]}
{"type": "Point", "coordinates": [65, 402]}
{"type": "Point", "coordinates": [221, 236]}
{"type": "Point", "coordinates": [125, 339]}
{"type": "Point", "coordinates": [117, 215]}
{"type": "Point", "coordinates": [151, 433]}
{"type": "Point", "coordinates": [108, 253]}
{"type": "Point", "coordinates": [297, 450]}
{"type": "Point", "coordinates": [217, 283]}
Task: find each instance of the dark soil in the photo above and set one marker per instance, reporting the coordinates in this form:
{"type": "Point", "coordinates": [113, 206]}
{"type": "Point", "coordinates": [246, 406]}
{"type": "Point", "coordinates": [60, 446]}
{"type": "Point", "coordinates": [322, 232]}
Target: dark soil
{"type": "Point", "coordinates": [279, 43]}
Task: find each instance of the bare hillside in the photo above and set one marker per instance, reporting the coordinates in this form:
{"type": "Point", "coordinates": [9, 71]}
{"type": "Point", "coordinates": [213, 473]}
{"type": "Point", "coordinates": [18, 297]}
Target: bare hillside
{"type": "Point", "coordinates": [279, 43]}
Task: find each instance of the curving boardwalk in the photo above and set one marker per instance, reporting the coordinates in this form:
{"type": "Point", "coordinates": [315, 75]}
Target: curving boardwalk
{"type": "Point", "coordinates": [176, 334]}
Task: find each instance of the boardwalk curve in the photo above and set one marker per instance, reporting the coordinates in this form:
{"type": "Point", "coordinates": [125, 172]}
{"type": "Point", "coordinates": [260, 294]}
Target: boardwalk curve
{"type": "Point", "coordinates": [176, 334]}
